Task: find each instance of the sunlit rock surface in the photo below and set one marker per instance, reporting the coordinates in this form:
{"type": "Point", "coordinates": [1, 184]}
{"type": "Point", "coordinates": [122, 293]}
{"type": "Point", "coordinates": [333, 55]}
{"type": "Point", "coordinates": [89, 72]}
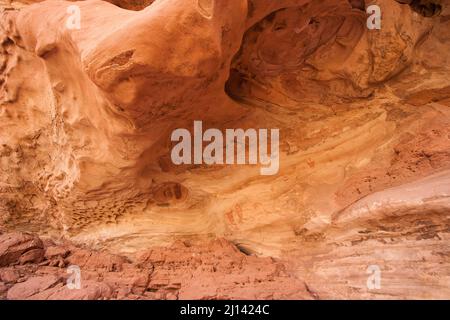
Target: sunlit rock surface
{"type": "Point", "coordinates": [364, 118]}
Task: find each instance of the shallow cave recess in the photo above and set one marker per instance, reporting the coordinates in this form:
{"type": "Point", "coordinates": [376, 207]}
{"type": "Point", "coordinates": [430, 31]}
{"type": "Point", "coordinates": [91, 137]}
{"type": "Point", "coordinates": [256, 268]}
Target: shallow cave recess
{"type": "Point", "coordinates": [275, 46]}
{"type": "Point", "coordinates": [281, 44]}
{"type": "Point", "coordinates": [425, 8]}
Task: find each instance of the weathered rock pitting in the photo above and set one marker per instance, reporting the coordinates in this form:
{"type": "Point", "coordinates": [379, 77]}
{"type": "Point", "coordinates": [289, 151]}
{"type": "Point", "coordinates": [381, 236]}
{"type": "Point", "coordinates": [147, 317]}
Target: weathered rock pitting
{"type": "Point", "coordinates": [364, 118]}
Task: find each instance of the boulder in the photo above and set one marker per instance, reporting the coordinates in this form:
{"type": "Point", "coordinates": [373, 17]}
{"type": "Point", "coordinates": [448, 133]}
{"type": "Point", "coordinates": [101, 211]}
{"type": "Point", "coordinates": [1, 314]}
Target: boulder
{"type": "Point", "coordinates": [14, 248]}
{"type": "Point", "coordinates": [32, 286]}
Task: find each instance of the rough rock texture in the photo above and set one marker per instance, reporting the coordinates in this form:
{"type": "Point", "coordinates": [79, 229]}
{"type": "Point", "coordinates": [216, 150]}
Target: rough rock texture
{"type": "Point", "coordinates": [364, 119]}
{"type": "Point", "coordinates": [214, 270]}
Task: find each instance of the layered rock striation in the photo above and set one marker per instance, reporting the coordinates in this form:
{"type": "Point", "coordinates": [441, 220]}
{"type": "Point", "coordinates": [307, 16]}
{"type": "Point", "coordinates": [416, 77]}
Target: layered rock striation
{"type": "Point", "coordinates": [364, 116]}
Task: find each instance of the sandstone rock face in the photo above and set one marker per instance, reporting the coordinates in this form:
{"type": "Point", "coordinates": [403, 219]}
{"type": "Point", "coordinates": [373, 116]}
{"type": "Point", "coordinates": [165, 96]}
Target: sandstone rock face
{"type": "Point", "coordinates": [212, 270]}
{"type": "Point", "coordinates": [85, 149]}
{"type": "Point", "coordinates": [21, 248]}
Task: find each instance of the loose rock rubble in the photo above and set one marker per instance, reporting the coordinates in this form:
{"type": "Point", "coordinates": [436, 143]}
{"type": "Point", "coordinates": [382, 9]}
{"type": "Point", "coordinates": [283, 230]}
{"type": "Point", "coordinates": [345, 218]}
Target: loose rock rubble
{"type": "Point", "coordinates": [87, 114]}
{"type": "Point", "coordinates": [217, 270]}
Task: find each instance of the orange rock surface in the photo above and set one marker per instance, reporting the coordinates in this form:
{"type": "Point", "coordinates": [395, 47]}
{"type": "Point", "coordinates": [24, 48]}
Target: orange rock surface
{"type": "Point", "coordinates": [85, 169]}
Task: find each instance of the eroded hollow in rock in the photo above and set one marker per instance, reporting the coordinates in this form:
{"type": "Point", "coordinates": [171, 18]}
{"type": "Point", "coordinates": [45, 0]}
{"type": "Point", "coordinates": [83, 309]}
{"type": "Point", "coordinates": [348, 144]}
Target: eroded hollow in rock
{"type": "Point", "coordinates": [363, 115]}
{"type": "Point", "coordinates": [426, 8]}
{"type": "Point", "coordinates": [297, 42]}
